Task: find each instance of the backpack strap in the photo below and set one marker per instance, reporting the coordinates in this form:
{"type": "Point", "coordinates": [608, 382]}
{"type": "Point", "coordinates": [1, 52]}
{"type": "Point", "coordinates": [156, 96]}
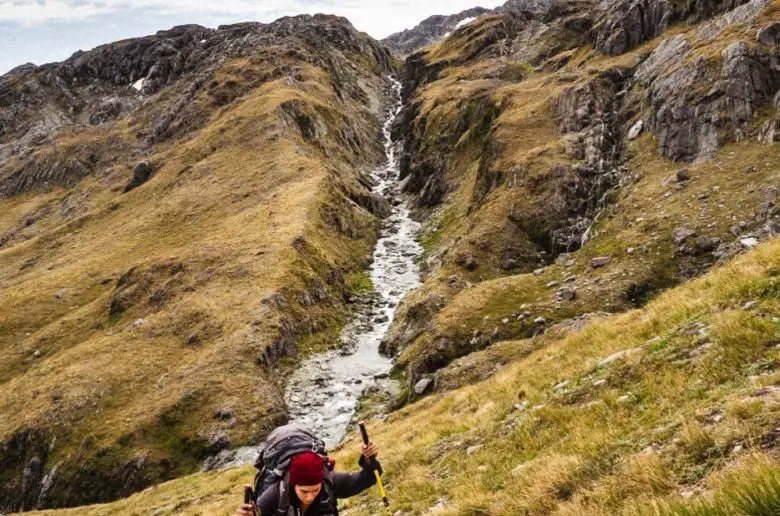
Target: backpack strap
{"type": "Point", "coordinates": [284, 496]}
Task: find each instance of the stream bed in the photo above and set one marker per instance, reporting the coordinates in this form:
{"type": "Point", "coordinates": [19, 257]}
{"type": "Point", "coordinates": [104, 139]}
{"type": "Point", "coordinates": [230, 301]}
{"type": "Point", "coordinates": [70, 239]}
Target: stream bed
{"type": "Point", "coordinates": [322, 394]}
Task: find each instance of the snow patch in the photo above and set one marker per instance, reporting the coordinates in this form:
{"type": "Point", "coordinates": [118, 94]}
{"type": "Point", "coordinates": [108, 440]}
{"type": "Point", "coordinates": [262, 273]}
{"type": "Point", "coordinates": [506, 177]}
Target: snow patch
{"type": "Point", "coordinates": [465, 21]}
{"type": "Point", "coordinates": [636, 130]}
{"type": "Point", "coordinates": [139, 84]}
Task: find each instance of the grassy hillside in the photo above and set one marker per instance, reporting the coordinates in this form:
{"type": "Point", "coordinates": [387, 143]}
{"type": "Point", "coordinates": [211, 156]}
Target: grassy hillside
{"type": "Point", "coordinates": [514, 155]}
{"type": "Point", "coordinates": [143, 330]}
{"type": "Point", "coordinates": [600, 308]}
{"type": "Point", "coordinates": [668, 409]}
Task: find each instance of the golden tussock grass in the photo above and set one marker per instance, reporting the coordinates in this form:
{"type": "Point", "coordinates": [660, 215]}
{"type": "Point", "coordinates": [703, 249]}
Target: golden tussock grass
{"type": "Point", "coordinates": [620, 438]}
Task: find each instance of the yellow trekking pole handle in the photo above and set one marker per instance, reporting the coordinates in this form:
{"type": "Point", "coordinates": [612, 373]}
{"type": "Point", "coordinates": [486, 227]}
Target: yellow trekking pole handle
{"type": "Point", "coordinates": [382, 492]}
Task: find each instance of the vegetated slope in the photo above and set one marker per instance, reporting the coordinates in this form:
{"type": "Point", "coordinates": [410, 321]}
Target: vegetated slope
{"type": "Point", "coordinates": [430, 30]}
{"type": "Point", "coordinates": [659, 410]}
{"type": "Point", "coordinates": [563, 173]}
{"type": "Point", "coordinates": [582, 411]}
{"type": "Point", "coordinates": [163, 250]}
{"type": "Point", "coordinates": [436, 28]}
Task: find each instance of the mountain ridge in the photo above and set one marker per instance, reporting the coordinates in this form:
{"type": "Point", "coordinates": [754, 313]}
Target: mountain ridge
{"type": "Point", "coordinates": [166, 253]}
{"type": "Point", "coordinates": [597, 185]}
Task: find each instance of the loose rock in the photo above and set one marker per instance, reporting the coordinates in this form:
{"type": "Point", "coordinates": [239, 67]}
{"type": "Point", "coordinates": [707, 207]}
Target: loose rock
{"type": "Point", "coordinates": [679, 235]}
{"type": "Point", "coordinates": [567, 294]}
{"type": "Point", "coordinates": [421, 386]}
{"type": "Point", "coordinates": [769, 35]}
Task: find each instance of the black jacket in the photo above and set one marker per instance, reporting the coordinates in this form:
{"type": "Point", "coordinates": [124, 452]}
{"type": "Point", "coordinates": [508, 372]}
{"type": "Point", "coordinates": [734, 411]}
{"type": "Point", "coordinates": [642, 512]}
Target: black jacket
{"type": "Point", "coordinates": [337, 485]}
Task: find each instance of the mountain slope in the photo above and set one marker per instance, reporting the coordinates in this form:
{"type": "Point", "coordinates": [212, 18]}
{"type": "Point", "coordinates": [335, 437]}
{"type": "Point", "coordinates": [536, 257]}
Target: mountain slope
{"type": "Point", "coordinates": [436, 28]}
{"type": "Point", "coordinates": [164, 250]}
{"type": "Point", "coordinates": [569, 166]}
{"type": "Point", "coordinates": [557, 181]}
{"type": "Point", "coordinates": [636, 412]}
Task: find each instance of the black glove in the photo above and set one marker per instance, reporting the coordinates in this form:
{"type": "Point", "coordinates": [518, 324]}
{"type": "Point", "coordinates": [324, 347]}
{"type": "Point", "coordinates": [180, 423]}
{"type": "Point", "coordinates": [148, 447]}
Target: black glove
{"type": "Point", "coordinates": [374, 464]}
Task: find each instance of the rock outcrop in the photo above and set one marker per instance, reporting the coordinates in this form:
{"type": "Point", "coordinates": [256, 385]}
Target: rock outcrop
{"type": "Point", "coordinates": [436, 28]}
{"type": "Point", "coordinates": [114, 80]}
{"type": "Point", "coordinates": [626, 24]}
{"type": "Point", "coordinates": [696, 107]}
{"type": "Point", "coordinates": [522, 149]}
{"type": "Point", "coordinates": [430, 30]}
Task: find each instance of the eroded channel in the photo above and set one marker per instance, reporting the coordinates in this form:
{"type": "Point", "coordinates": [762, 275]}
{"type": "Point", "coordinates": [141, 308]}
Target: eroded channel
{"type": "Point", "coordinates": [324, 391]}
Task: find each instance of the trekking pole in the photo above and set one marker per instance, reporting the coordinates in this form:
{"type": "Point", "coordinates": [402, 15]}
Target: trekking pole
{"type": "Point", "coordinates": [249, 497]}
{"type": "Point", "coordinates": [382, 493]}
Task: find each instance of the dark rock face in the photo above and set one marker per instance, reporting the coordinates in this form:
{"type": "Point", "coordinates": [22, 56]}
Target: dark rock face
{"type": "Point", "coordinates": [690, 125]}
{"type": "Point", "coordinates": [627, 24]}
{"type": "Point", "coordinates": [630, 23]}
{"type": "Point", "coordinates": [28, 448]}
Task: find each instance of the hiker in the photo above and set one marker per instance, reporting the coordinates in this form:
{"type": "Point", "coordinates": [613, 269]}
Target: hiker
{"type": "Point", "coordinates": [312, 488]}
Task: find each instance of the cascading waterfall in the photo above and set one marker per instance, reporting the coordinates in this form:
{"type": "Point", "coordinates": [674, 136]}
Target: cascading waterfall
{"type": "Point", "coordinates": [323, 392]}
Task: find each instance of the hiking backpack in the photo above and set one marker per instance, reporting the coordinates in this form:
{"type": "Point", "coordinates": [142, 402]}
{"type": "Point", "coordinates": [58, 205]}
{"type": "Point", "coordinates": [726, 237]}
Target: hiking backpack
{"type": "Point", "coordinates": [273, 464]}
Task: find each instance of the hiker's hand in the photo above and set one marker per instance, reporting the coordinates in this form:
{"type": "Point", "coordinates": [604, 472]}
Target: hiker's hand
{"type": "Point", "coordinates": [370, 451]}
{"type": "Point", "coordinates": [245, 510]}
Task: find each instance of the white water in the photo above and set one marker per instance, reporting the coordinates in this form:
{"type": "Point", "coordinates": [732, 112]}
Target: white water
{"type": "Point", "coordinates": [323, 392]}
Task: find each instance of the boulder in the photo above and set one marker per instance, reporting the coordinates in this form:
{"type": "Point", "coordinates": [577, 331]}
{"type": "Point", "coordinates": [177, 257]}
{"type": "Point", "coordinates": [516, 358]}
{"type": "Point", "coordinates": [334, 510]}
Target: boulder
{"type": "Point", "coordinates": [141, 174]}
{"type": "Point", "coordinates": [471, 450]}
{"type": "Point", "coordinates": [636, 130]}
{"type": "Point", "coordinates": [679, 235]}
{"type": "Point", "coordinates": [706, 244]}
{"type": "Point", "coordinates": [601, 261]}
{"type": "Point", "coordinates": [422, 385]}
{"type": "Point", "coordinates": [567, 294]}
{"type": "Point", "coordinates": [770, 132]}
{"type": "Point", "coordinates": [618, 356]}
{"type": "Point", "coordinates": [769, 35]}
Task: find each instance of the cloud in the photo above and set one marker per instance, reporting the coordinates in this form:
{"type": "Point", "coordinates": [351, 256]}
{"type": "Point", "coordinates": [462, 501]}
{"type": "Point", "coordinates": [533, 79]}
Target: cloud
{"type": "Point", "coordinates": [42, 31]}
{"type": "Point", "coordinates": [31, 12]}
{"type": "Point", "coordinates": [378, 17]}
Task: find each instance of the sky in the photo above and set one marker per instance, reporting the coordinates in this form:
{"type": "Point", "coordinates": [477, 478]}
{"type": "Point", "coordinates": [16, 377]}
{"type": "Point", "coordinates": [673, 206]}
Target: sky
{"type": "Point", "coordinates": [43, 31]}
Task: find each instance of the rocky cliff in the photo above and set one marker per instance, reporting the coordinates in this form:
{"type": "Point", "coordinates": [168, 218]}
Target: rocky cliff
{"type": "Point", "coordinates": [181, 214]}
{"type": "Point", "coordinates": [581, 160]}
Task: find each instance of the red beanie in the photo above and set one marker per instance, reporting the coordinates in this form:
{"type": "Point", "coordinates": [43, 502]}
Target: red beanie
{"type": "Point", "coordinates": [307, 469]}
